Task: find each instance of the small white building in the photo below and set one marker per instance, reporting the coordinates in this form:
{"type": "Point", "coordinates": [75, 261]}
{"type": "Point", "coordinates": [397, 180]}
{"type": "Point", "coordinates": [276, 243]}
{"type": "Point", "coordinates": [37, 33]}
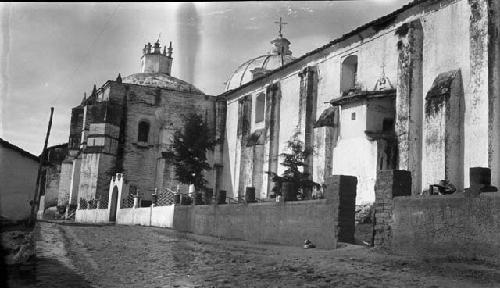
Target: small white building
{"type": "Point", "coordinates": [18, 172]}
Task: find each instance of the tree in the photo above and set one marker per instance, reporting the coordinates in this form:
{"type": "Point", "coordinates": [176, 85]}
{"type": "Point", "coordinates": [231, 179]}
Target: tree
{"type": "Point", "coordinates": [294, 161]}
{"type": "Point", "coordinates": [189, 148]}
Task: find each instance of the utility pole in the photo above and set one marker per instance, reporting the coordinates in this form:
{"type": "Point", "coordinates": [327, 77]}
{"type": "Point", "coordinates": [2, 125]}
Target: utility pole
{"type": "Point", "coordinates": [37, 196]}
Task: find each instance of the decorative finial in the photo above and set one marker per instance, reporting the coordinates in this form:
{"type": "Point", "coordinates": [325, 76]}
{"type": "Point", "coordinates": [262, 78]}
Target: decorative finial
{"type": "Point", "coordinates": [165, 50]}
{"type": "Point", "coordinates": [84, 96]}
{"type": "Point", "coordinates": [170, 49]}
{"type": "Point", "coordinates": [119, 78]}
{"type": "Point", "coordinates": [94, 92]}
{"type": "Point", "coordinates": [281, 23]}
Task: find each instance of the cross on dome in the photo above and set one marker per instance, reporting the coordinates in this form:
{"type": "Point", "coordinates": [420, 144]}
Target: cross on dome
{"type": "Point", "coordinates": [281, 23]}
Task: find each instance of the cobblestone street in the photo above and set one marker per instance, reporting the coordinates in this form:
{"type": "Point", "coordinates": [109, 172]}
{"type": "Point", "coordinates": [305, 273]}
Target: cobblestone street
{"type": "Point", "coordinates": [77, 255]}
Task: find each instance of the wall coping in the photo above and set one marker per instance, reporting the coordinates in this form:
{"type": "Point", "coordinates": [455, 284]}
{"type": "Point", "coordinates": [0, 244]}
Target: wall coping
{"type": "Point", "coordinates": [444, 197]}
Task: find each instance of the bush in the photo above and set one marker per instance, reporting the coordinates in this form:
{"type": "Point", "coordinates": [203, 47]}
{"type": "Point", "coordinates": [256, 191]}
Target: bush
{"type": "Point", "coordinates": [294, 161]}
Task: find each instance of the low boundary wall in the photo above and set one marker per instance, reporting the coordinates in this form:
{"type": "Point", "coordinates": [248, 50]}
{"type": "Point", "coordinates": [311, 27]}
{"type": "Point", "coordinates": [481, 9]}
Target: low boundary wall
{"type": "Point", "coordinates": [463, 225]}
{"type": "Point", "coordinates": [92, 215]}
{"type": "Point", "coordinates": [321, 221]}
{"type": "Point", "coordinates": [447, 226]}
{"type": "Point", "coordinates": [290, 223]}
{"type": "Point", "coordinates": [287, 223]}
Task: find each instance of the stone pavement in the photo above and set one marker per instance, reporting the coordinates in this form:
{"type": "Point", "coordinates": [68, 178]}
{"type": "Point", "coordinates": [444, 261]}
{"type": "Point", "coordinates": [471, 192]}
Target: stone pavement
{"type": "Point", "coordinates": [79, 255]}
{"type": "Point", "coordinates": [52, 267]}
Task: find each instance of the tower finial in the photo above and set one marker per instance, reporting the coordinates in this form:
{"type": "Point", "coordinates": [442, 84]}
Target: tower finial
{"type": "Point", "coordinates": [170, 49]}
{"type": "Point", "coordinates": [94, 92]}
{"type": "Point", "coordinates": [281, 23]}
{"type": "Point", "coordinates": [119, 78]}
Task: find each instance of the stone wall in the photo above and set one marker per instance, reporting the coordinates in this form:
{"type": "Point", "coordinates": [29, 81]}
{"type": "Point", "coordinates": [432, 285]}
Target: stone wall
{"type": "Point", "coordinates": [288, 223]}
{"type": "Point", "coordinates": [321, 221]}
{"type": "Point", "coordinates": [461, 225]}
{"type": "Point", "coordinates": [447, 226]}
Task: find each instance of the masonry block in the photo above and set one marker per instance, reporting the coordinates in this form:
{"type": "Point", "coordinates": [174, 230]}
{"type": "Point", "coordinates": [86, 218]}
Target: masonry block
{"type": "Point", "coordinates": [250, 194]}
{"type": "Point", "coordinates": [221, 197]}
{"type": "Point", "coordinates": [198, 198]}
{"type": "Point", "coordinates": [480, 176]}
{"type": "Point", "coordinates": [208, 193]}
{"type": "Point", "coordinates": [341, 190]}
{"type": "Point", "coordinates": [390, 184]}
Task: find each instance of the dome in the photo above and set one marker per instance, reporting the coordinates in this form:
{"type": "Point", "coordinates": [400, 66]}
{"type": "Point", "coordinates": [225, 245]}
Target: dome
{"type": "Point", "coordinates": [263, 63]}
{"type": "Point", "coordinates": [280, 55]}
{"type": "Point", "coordinates": [161, 80]}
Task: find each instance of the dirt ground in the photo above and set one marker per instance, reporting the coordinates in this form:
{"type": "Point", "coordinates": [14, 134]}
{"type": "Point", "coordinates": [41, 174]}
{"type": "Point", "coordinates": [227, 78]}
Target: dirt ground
{"type": "Point", "coordinates": [73, 255]}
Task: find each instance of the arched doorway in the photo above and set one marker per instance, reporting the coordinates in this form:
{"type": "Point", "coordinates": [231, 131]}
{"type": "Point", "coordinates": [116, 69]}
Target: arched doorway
{"type": "Point", "coordinates": [113, 205]}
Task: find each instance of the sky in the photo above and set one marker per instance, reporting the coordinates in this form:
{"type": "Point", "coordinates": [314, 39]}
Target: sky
{"type": "Point", "coordinates": [51, 53]}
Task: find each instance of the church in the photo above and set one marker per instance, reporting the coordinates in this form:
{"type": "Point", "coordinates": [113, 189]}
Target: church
{"type": "Point", "coordinates": [415, 90]}
{"type": "Point", "coordinates": [126, 126]}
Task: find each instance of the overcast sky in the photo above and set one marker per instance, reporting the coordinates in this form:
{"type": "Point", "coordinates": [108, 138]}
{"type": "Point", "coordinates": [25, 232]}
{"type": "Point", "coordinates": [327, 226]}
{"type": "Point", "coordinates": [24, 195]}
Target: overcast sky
{"type": "Point", "coordinates": [52, 53]}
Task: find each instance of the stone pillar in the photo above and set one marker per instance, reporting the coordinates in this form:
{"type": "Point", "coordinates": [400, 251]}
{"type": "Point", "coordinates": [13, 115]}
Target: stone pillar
{"type": "Point", "coordinates": [409, 100]}
{"type": "Point", "coordinates": [65, 182]}
{"type": "Point", "coordinates": [341, 191]}
{"type": "Point", "coordinates": [444, 121]}
{"type": "Point", "coordinates": [244, 126]}
{"type": "Point", "coordinates": [307, 112]}
{"type": "Point", "coordinates": [493, 87]}
{"type": "Point", "coordinates": [75, 181]}
{"type": "Point", "coordinates": [220, 134]}
{"type": "Point", "coordinates": [390, 184]}
{"type": "Point", "coordinates": [272, 122]}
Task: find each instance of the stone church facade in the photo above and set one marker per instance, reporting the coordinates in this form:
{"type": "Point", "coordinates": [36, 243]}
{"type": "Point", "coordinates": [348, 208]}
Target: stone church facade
{"type": "Point", "coordinates": [126, 126]}
{"type": "Point", "coordinates": [414, 90]}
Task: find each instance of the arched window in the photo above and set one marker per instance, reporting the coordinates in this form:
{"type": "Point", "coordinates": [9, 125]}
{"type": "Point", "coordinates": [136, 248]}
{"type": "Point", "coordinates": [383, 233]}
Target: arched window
{"type": "Point", "coordinates": [349, 73]}
{"type": "Point", "coordinates": [143, 131]}
{"type": "Point", "coordinates": [260, 108]}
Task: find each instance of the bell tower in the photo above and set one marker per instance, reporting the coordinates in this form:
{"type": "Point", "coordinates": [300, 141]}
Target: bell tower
{"type": "Point", "coordinates": [153, 60]}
